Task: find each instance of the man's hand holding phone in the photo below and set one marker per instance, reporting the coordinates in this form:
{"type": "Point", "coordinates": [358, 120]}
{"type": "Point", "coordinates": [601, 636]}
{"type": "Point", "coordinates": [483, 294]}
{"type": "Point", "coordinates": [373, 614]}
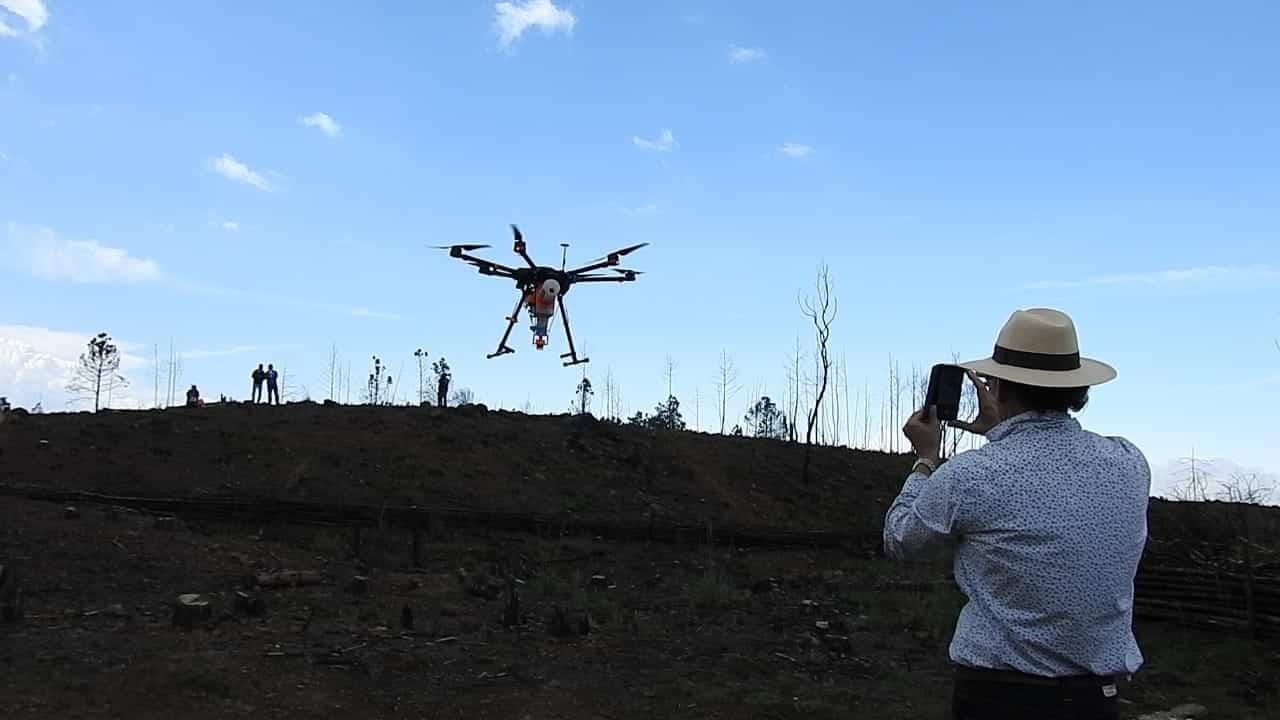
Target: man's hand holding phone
{"type": "Point", "coordinates": [988, 408]}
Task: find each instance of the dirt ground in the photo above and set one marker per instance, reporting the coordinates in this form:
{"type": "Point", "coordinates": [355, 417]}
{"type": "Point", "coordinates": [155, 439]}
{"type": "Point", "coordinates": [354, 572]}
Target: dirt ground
{"type": "Point", "coordinates": [669, 631]}
{"type": "Point", "coordinates": [599, 629]}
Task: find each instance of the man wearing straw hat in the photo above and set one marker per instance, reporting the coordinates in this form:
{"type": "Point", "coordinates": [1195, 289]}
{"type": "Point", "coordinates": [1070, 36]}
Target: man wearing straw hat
{"type": "Point", "coordinates": [1048, 523]}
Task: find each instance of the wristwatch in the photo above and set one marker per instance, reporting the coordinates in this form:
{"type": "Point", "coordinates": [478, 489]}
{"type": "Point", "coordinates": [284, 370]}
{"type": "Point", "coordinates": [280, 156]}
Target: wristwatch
{"type": "Point", "coordinates": [933, 468]}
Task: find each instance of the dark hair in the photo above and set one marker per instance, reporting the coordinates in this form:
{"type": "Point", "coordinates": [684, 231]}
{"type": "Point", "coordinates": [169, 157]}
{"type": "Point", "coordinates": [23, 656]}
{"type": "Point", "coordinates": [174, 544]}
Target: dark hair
{"type": "Point", "coordinates": [1045, 399]}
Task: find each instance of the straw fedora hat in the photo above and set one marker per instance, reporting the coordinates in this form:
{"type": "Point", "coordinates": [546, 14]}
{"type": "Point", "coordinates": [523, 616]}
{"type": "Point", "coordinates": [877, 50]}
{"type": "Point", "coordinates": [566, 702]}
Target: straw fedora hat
{"type": "Point", "coordinates": [1039, 347]}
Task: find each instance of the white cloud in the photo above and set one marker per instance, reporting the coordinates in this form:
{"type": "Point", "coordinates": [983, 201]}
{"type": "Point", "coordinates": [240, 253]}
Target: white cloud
{"type": "Point", "coordinates": [795, 150]}
{"type": "Point", "coordinates": [36, 363]}
{"type": "Point", "coordinates": [231, 226]}
{"type": "Point", "coordinates": [639, 211]}
{"type": "Point", "coordinates": [665, 142]}
{"type": "Point", "coordinates": [33, 12]}
{"type": "Point", "coordinates": [512, 19]}
{"type": "Point", "coordinates": [745, 54]}
{"type": "Point", "coordinates": [323, 123]}
{"type": "Point", "coordinates": [232, 169]}
{"type": "Point", "coordinates": [367, 313]}
{"type": "Point", "coordinates": [1173, 476]}
{"type": "Point", "coordinates": [41, 252]}
{"type": "Point", "coordinates": [1208, 275]}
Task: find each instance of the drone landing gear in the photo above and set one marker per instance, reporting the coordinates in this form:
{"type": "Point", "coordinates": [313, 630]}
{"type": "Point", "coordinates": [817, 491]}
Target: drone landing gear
{"type": "Point", "coordinates": [511, 322]}
{"type": "Point", "coordinates": [568, 334]}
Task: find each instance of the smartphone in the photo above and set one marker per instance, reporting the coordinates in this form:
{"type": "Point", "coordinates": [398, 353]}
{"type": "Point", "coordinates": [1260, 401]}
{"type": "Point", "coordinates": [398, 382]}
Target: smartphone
{"type": "Point", "coordinates": [945, 384]}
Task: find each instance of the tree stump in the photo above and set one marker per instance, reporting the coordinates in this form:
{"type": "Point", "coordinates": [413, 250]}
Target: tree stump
{"type": "Point", "coordinates": [191, 610]}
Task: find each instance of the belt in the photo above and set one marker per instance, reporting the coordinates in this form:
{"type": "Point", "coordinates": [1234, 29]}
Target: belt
{"type": "Point", "coordinates": [1018, 678]}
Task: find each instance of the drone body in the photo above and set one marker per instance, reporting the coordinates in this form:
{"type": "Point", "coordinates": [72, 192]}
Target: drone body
{"type": "Point", "coordinates": [542, 288]}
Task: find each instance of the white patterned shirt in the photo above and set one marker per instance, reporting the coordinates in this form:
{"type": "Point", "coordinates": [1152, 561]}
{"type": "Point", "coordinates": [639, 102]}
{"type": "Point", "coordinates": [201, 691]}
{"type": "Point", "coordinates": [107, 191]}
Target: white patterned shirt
{"type": "Point", "coordinates": [1048, 522]}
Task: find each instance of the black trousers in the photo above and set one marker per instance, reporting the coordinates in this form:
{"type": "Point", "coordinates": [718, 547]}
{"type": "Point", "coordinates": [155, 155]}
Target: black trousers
{"type": "Point", "coordinates": [257, 392]}
{"type": "Point", "coordinates": [273, 394]}
{"type": "Point", "coordinates": [993, 695]}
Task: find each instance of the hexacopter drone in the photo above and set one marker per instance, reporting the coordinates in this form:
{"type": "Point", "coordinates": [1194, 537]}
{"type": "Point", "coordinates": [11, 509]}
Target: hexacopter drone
{"type": "Point", "coordinates": [542, 288]}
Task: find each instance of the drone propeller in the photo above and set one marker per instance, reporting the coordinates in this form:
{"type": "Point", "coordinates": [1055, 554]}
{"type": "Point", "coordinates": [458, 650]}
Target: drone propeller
{"type": "Point", "coordinates": [516, 232]}
{"type": "Point", "coordinates": [628, 250]}
{"type": "Point", "coordinates": [619, 253]}
{"type": "Point", "coordinates": [624, 271]}
{"type": "Point", "coordinates": [463, 248]}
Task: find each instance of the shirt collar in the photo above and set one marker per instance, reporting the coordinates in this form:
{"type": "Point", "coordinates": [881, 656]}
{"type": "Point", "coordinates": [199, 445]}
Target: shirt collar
{"type": "Point", "coordinates": [1027, 419]}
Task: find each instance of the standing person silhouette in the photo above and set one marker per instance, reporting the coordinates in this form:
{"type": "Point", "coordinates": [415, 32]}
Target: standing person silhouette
{"type": "Point", "coordinates": [442, 390]}
{"type": "Point", "coordinates": [273, 388]}
{"type": "Point", "coordinates": [258, 376]}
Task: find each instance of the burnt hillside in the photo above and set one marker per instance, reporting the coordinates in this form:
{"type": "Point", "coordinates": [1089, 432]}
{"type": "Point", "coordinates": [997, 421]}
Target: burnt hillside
{"type": "Point", "coordinates": [465, 457]}
{"type": "Point", "coordinates": [505, 461]}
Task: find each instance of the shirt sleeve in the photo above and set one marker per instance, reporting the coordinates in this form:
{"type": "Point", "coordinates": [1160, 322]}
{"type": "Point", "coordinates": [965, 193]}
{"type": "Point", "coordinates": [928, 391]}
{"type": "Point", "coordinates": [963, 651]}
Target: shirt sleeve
{"type": "Point", "coordinates": [927, 514]}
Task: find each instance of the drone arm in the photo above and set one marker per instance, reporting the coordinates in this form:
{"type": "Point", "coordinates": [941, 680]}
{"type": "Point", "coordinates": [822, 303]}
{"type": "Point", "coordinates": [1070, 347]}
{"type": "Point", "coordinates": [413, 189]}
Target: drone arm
{"type": "Point", "coordinates": [593, 266]}
{"type": "Point", "coordinates": [619, 279]}
{"type": "Point", "coordinates": [496, 269]}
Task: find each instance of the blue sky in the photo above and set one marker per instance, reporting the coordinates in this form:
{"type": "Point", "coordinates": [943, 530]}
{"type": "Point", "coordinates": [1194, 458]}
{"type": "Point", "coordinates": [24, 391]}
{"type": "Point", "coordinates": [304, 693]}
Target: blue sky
{"type": "Point", "coordinates": [256, 181]}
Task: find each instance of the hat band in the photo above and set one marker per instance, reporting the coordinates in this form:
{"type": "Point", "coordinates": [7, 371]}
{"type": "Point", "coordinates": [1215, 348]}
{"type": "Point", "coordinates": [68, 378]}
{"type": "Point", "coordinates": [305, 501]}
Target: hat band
{"type": "Point", "coordinates": [1035, 360]}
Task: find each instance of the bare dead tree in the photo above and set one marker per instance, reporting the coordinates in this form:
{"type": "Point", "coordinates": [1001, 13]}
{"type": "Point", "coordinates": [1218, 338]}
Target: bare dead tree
{"type": "Point", "coordinates": [669, 372]}
{"type": "Point", "coordinates": [821, 310]}
{"type": "Point", "coordinates": [611, 400]}
{"type": "Point", "coordinates": [333, 374]}
{"type": "Point", "coordinates": [1194, 485]}
{"type": "Point", "coordinates": [849, 427]}
{"type": "Point", "coordinates": [794, 379]}
{"type": "Point", "coordinates": [866, 414]}
{"type": "Point", "coordinates": [892, 409]}
{"type": "Point", "coordinates": [422, 375]}
{"type": "Point", "coordinates": [726, 386]}
{"type": "Point", "coordinates": [173, 376]}
{"type": "Point", "coordinates": [291, 393]}
{"type": "Point", "coordinates": [155, 367]}
{"type": "Point", "coordinates": [99, 367]}
{"type": "Point", "coordinates": [838, 406]}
